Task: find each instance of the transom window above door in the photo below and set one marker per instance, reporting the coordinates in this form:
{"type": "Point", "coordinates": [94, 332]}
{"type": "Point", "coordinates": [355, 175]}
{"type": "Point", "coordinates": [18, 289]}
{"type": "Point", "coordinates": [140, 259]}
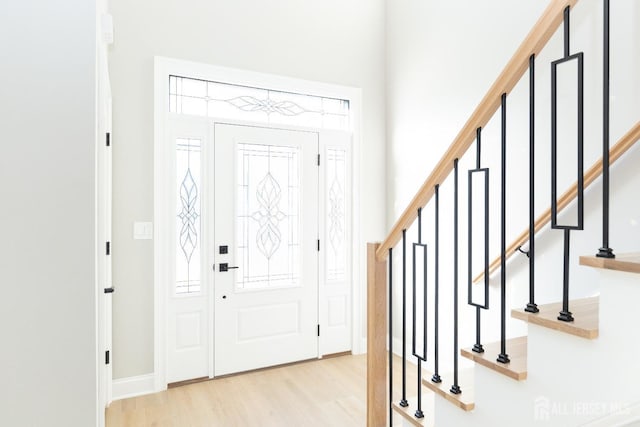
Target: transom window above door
{"type": "Point", "coordinates": [228, 101]}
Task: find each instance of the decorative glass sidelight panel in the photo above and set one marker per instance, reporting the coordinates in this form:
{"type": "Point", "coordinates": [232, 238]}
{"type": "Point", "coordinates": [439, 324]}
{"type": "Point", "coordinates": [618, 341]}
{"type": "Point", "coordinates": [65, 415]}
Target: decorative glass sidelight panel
{"type": "Point", "coordinates": [268, 216]}
{"type": "Point", "coordinates": [188, 221]}
{"type": "Point", "coordinates": [223, 100]}
{"type": "Point", "coordinates": [336, 219]}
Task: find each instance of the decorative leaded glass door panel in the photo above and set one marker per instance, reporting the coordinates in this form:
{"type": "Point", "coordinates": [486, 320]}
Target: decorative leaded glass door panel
{"type": "Point", "coordinates": [335, 231]}
{"type": "Point", "coordinates": [188, 295]}
{"type": "Point", "coordinates": [266, 233]}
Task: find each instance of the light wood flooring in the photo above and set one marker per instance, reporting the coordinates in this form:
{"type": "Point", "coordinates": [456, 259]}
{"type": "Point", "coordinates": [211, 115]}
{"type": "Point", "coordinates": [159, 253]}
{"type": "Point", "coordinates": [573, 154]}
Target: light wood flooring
{"type": "Point", "coordinates": [325, 393]}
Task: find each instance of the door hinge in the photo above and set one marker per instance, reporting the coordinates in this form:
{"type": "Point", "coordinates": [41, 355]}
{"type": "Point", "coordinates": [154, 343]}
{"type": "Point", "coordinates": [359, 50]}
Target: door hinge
{"type": "Point", "coordinates": [107, 358]}
{"type": "Point", "coordinates": [318, 245]}
{"type": "Point", "coordinates": [318, 330]}
{"type": "Point", "coordinates": [108, 139]}
{"type": "Point", "coordinates": [108, 248]}
{"type": "Point", "coordinates": [318, 159]}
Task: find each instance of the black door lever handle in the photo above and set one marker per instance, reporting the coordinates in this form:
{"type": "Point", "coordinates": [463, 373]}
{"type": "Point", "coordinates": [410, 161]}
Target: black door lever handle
{"type": "Point", "coordinates": [225, 267]}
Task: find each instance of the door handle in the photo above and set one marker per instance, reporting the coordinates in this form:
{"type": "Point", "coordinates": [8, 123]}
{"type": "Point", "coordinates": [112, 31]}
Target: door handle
{"type": "Point", "coordinates": [109, 290]}
{"type": "Point", "coordinates": [225, 267]}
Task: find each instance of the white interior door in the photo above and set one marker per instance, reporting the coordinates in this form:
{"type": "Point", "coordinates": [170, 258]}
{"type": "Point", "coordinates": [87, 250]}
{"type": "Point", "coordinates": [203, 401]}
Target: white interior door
{"type": "Point", "coordinates": [106, 287]}
{"type": "Point", "coordinates": [104, 217]}
{"type": "Point", "coordinates": [188, 319]}
{"type": "Point", "coordinates": [266, 215]}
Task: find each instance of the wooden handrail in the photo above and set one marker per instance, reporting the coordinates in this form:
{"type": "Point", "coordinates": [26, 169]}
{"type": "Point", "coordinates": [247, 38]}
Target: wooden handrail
{"type": "Point", "coordinates": [621, 147]}
{"type": "Point", "coordinates": [514, 70]}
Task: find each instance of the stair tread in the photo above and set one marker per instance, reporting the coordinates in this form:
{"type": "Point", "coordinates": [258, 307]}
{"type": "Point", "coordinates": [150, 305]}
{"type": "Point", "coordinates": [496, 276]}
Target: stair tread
{"type": "Point", "coordinates": [464, 400]}
{"type": "Point", "coordinates": [408, 412]}
{"type": "Point", "coordinates": [585, 311]}
{"type": "Point", "coordinates": [517, 351]}
{"type": "Point", "coordinates": [622, 262]}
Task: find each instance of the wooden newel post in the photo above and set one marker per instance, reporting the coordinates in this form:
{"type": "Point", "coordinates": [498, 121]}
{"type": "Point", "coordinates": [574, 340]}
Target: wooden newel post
{"type": "Point", "coordinates": [376, 339]}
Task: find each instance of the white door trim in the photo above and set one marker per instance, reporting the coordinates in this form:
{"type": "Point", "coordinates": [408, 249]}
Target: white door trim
{"type": "Point", "coordinates": [163, 68]}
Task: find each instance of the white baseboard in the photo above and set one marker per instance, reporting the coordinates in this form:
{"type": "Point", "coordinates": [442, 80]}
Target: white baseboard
{"type": "Point", "coordinates": [133, 386]}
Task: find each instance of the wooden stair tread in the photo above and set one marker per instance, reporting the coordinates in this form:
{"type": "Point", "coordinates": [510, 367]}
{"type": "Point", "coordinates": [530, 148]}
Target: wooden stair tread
{"type": "Point", "coordinates": [464, 400]}
{"type": "Point", "coordinates": [585, 311]}
{"type": "Point", "coordinates": [622, 262]}
{"type": "Point", "coordinates": [517, 351]}
{"type": "Point", "coordinates": [408, 412]}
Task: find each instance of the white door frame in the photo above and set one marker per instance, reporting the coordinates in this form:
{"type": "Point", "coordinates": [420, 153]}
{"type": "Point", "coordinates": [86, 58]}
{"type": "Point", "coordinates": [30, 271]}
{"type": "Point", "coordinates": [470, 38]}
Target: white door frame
{"type": "Point", "coordinates": [163, 68]}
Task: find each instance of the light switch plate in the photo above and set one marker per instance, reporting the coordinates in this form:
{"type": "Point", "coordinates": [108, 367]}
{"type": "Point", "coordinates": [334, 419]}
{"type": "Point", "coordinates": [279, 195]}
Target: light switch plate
{"type": "Point", "coordinates": [143, 230]}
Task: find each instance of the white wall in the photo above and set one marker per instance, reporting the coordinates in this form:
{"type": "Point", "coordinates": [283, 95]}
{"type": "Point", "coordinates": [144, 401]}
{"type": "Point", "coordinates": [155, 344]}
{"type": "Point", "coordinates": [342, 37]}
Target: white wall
{"type": "Point", "coordinates": [47, 227]}
{"type": "Point", "coordinates": [329, 41]}
{"type": "Point", "coordinates": [441, 59]}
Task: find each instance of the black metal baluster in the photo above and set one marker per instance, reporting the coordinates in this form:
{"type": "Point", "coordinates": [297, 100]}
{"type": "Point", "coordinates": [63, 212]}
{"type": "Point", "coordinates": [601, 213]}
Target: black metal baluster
{"type": "Point", "coordinates": [478, 146]}
{"type": "Point", "coordinates": [532, 307]}
{"type": "Point", "coordinates": [565, 314]}
{"type": "Point", "coordinates": [390, 336]}
{"type": "Point", "coordinates": [567, 32]}
{"type": "Point", "coordinates": [477, 347]}
{"type": "Point", "coordinates": [403, 401]}
{"type": "Point", "coordinates": [436, 376]}
{"type": "Point", "coordinates": [605, 251]}
{"type": "Point", "coordinates": [503, 357]}
{"type": "Point", "coordinates": [455, 388]}
{"type": "Point", "coordinates": [423, 357]}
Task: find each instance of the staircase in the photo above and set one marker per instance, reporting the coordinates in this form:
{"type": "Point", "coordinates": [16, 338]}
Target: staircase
{"type": "Point", "coordinates": [525, 375]}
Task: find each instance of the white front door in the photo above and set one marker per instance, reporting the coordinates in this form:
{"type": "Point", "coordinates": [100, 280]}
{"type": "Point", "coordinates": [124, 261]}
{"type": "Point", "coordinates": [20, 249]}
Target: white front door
{"type": "Point", "coordinates": [266, 247]}
{"type": "Point", "coordinates": [257, 199]}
